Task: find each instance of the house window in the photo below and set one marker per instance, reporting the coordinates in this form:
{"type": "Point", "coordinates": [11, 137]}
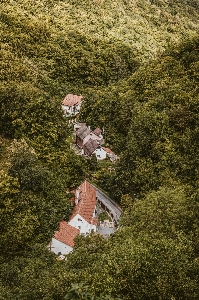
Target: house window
{"type": "Point", "coordinates": [79, 227]}
{"type": "Point", "coordinates": [98, 155]}
{"type": "Point", "coordinates": [80, 220]}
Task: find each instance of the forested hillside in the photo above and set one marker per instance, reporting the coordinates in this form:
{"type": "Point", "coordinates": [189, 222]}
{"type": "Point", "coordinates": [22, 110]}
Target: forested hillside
{"type": "Point", "coordinates": [151, 120]}
{"type": "Point", "coordinates": [136, 63]}
{"type": "Point", "coordinates": [49, 48]}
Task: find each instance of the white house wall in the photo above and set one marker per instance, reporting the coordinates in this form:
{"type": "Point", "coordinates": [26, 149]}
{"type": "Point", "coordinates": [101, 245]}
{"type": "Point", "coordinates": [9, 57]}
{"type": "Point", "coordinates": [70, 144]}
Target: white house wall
{"type": "Point", "coordinates": [100, 153]}
{"type": "Point", "coordinates": [81, 224]}
{"type": "Point", "coordinates": [67, 109]}
{"type": "Point", "coordinates": [70, 109]}
{"type": "Point", "coordinates": [78, 107]}
{"type": "Point", "coordinates": [57, 246]}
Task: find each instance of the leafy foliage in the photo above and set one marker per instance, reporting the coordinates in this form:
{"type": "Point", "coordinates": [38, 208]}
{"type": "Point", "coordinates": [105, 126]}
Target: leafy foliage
{"type": "Point", "coordinates": [158, 140]}
{"type": "Point", "coordinates": [79, 291]}
{"type": "Point", "coordinates": [148, 108]}
{"type": "Point", "coordinates": [152, 255]}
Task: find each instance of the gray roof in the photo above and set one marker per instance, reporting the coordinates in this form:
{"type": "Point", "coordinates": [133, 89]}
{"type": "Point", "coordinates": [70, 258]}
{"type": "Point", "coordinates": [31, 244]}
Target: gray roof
{"type": "Point", "coordinates": [82, 132]}
{"type": "Point", "coordinates": [90, 146]}
{"type": "Point", "coordinates": [97, 131]}
{"type": "Point", "coordinates": [113, 207]}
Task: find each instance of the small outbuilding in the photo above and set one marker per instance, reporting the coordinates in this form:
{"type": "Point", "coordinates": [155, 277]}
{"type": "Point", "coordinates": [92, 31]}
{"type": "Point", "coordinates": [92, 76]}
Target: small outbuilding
{"type": "Point", "coordinates": [113, 157]}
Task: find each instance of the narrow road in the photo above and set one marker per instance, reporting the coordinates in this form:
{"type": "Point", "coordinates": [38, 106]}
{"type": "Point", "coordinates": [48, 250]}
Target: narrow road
{"type": "Point", "coordinates": [112, 206]}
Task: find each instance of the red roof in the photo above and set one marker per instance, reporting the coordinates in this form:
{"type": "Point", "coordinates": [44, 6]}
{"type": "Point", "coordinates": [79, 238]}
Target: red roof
{"type": "Point", "coordinates": [72, 200]}
{"type": "Point", "coordinates": [71, 100]}
{"type": "Point", "coordinates": [94, 221]}
{"type": "Point", "coordinates": [108, 150]}
{"type": "Point", "coordinates": [66, 233]}
{"type": "Point", "coordinates": [86, 202]}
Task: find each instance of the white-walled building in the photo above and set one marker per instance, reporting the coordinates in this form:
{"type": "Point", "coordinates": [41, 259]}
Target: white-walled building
{"type": "Point", "coordinates": [100, 153]}
{"type": "Point", "coordinates": [83, 225]}
{"type": "Point", "coordinates": [83, 216]}
{"type": "Point", "coordinates": [71, 104]}
{"type": "Point", "coordinates": [82, 221]}
{"type": "Point", "coordinates": [63, 239]}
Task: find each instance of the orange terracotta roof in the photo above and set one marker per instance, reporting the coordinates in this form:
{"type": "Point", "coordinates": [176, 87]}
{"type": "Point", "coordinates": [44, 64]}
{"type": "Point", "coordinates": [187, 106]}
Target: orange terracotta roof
{"type": "Point", "coordinates": [108, 150]}
{"type": "Point", "coordinates": [86, 203]}
{"type": "Point", "coordinates": [94, 221]}
{"type": "Point", "coordinates": [72, 200]}
{"type": "Point", "coordinates": [66, 233]}
{"type": "Point", "coordinates": [71, 100]}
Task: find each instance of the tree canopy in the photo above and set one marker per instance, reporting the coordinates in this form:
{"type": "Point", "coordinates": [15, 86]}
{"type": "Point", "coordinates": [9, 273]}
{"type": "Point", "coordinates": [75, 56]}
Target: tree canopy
{"type": "Point", "coordinates": [136, 65]}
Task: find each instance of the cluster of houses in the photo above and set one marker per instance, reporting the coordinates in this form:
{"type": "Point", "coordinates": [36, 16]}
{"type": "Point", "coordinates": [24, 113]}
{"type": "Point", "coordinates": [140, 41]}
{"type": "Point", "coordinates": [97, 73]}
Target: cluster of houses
{"type": "Point", "coordinates": [89, 142]}
{"type": "Point", "coordinates": [83, 220]}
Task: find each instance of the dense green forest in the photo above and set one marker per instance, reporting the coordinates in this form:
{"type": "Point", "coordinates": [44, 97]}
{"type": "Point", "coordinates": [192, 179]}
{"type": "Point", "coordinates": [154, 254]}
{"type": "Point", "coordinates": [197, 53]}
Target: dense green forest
{"type": "Point", "coordinates": [151, 120]}
{"type": "Point", "coordinates": [136, 63]}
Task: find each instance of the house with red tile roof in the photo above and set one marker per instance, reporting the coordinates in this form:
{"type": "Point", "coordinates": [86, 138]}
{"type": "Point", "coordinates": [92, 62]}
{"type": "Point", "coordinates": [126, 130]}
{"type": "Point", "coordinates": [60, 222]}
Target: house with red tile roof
{"type": "Point", "coordinates": [63, 239]}
{"type": "Point", "coordinates": [82, 221]}
{"type": "Point", "coordinates": [84, 212]}
{"type": "Point", "coordinates": [71, 104]}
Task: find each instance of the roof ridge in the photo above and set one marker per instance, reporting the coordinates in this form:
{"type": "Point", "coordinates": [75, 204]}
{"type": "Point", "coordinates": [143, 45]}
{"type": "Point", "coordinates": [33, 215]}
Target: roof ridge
{"type": "Point", "coordinates": [85, 207]}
